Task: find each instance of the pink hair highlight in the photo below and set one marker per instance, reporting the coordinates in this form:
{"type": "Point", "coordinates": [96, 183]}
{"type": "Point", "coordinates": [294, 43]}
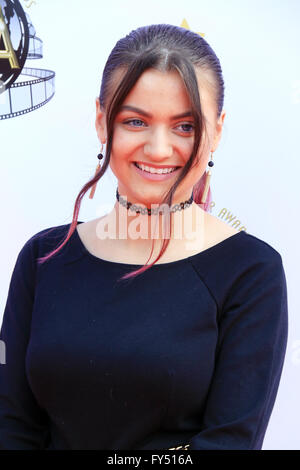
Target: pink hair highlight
{"type": "Point", "coordinates": [73, 225]}
{"type": "Point", "coordinates": [197, 194]}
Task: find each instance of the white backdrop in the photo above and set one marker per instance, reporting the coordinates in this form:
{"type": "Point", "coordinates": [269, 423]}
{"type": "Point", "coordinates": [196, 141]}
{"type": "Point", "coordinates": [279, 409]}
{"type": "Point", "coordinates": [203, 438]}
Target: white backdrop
{"type": "Point", "coordinates": [47, 155]}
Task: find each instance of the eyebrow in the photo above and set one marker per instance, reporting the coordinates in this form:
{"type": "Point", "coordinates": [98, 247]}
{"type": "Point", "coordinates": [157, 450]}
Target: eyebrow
{"type": "Point", "coordinates": [144, 113]}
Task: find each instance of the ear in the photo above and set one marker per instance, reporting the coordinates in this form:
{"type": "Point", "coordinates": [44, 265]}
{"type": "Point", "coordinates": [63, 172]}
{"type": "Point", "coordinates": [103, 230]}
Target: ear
{"type": "Point", "coordinates": [218, 132]}
{"type": "Point", "coordinates": [100, 123]}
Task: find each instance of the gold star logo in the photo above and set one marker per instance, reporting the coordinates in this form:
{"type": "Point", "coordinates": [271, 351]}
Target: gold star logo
{"type": "Point", "coordinates": [185, 25]}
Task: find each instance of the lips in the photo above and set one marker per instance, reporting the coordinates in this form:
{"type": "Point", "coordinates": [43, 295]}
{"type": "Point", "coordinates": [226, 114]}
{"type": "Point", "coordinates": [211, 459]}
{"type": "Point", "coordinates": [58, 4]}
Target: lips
{"type": "Point", "coordinates": [168, 167]}
{"type": "Point", "coordinates": [154, 176]}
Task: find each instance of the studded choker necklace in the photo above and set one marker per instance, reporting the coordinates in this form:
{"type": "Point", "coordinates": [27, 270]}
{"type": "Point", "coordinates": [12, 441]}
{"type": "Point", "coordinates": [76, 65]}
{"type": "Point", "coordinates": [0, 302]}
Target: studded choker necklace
{"type": "Point", "coordinates": [145, 210]}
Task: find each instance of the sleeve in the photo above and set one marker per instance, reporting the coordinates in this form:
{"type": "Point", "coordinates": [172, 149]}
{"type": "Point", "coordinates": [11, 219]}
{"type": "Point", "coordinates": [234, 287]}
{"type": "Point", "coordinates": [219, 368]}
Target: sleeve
{"type": "Point", "coordinates": [23, 424]}
{"type": "Point", "coordinates": [253, 329]}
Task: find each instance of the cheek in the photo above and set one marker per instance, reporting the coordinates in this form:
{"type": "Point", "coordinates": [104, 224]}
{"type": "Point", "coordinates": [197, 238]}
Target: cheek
{"type": "Point", "coordinates": [124, 140]}
{"type": "Point", "coordinates": [120, 156]}
{"type": "Point", "coordinates": [123, 149]}
{"type": "Point", "coordinates": [119, 146]}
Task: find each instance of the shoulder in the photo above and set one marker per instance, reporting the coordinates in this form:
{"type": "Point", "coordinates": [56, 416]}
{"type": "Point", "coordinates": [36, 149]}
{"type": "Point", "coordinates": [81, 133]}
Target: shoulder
{"type": "Point", "coordinates": [48, 235]}
{"type": "Point", "coordinates": [239, 258]}
{"type": "Point", "coordinates": [249, 247]}
{"type": "Point", "coordinates": [24, 270]}
{"type": "Point", "coordinates": [41, 243]}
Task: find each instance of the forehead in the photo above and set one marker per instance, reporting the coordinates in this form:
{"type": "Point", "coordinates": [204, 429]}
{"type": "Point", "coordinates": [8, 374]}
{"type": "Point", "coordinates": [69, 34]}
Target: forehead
{"type": "Point", "coordinates": [157, 91]}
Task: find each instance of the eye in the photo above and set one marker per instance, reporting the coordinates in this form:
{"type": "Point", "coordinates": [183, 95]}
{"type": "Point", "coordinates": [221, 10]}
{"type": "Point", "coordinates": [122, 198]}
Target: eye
{"type": "Point", "coordinates": [130, 121]}
{"type": "Point", "coordinates": [186, 131]}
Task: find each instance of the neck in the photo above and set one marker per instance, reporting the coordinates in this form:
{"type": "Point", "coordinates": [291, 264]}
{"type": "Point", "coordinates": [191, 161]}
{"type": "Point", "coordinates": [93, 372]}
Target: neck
{"type": "Point", "coordinates": [137, 231]}
{"type": "Point", "coordinates": [137, 208]}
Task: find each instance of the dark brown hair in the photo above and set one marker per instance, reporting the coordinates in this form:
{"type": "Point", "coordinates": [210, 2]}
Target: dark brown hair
{"type": "Point", "coordinates": [163, 47]}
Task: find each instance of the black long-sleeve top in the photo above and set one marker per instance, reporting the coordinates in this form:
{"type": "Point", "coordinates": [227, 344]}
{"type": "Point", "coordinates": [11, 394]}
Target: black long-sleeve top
{"type": "Point", "coordinates": [189, 354]}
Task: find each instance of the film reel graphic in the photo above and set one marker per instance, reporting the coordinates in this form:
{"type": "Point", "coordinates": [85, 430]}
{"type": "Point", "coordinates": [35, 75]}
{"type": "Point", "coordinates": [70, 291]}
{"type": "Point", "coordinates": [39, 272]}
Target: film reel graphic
{"type": "Point", "coordinates": [18, 42]}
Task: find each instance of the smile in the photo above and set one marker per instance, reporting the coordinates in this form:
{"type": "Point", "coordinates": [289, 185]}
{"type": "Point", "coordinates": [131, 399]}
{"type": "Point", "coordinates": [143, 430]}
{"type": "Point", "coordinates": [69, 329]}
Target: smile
{"type": "Point", "coordinates": [157, 171]}
{"type": "Point", "coordinates": [161, 174]}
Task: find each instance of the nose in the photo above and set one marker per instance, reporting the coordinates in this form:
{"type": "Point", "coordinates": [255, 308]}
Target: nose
{"type": "Point", "coordinates": [158, 147]}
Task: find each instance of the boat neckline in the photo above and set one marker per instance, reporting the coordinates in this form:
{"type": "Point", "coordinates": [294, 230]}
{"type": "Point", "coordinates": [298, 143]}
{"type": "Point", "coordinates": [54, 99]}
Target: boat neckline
{"type": "Point", "coordinates": [224, 242]}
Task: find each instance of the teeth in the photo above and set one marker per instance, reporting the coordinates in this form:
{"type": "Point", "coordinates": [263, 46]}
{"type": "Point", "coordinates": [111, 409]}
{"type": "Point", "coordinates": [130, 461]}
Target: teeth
{"type": "Point", "coordinates": [151, 170]}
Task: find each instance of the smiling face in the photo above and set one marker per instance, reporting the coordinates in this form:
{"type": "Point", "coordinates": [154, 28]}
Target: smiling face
{"type": "Point", "coordinates": [151, 134]}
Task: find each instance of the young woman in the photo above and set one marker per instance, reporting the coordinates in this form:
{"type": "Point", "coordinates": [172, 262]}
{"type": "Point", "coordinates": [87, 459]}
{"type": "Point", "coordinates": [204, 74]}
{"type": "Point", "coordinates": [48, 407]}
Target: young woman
{"type": "Point", "coordinates": [107, 351]}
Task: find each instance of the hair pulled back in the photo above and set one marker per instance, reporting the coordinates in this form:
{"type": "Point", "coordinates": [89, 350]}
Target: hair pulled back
{"type": "Point", "coordinates": [163, 47]}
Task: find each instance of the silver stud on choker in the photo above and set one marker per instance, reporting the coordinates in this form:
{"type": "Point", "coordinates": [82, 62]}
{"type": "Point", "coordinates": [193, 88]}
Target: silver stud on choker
{"type": "Point", "coordinates": [145, 210]}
